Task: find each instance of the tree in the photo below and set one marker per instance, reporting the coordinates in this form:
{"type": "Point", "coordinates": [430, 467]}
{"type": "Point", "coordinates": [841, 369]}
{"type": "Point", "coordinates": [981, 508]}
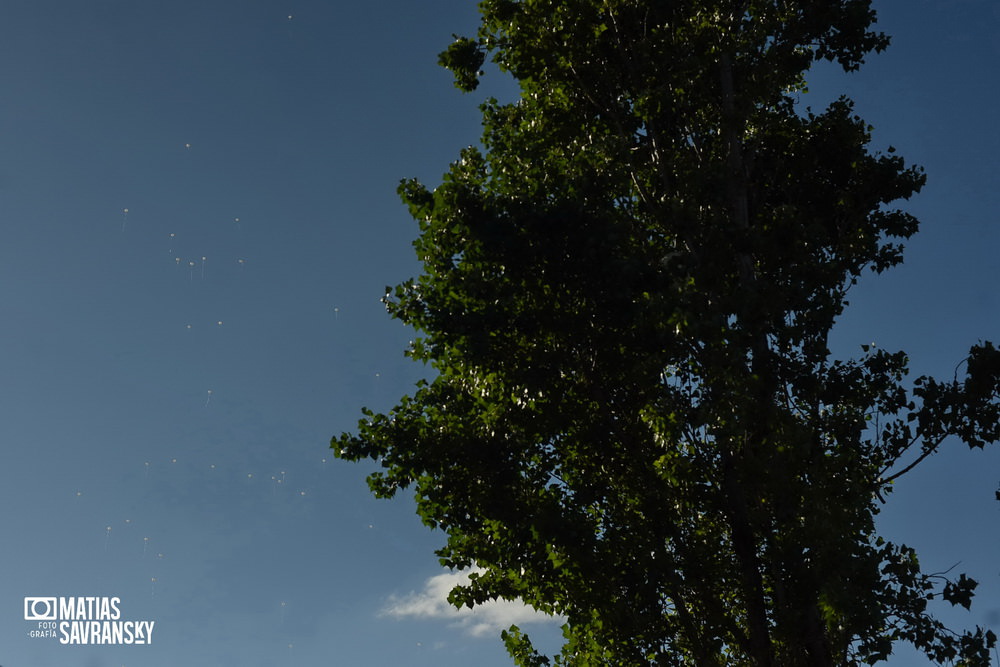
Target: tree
{"type": "Point", "coordinates": [635, 420]}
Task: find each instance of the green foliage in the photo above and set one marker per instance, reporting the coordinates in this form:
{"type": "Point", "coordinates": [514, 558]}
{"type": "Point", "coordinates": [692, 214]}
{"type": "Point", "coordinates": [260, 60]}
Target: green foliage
{"type": "Point", "coordinates": [464, 58]}
{"type": "Point", "coordinates": [635, 421]}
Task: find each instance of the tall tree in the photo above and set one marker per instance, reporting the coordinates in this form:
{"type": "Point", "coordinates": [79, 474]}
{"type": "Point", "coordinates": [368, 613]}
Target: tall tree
{"type": "Point", "coordinates": [635, 420]}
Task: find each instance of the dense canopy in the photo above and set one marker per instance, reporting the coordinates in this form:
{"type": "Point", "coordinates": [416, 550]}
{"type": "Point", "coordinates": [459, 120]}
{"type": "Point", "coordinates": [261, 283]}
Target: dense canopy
{"type": "Point", "coordinates": [635, 420]}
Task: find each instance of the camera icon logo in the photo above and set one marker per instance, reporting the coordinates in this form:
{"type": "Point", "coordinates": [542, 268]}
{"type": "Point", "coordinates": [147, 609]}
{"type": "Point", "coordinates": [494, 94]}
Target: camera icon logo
{"type": "Point", "coordinates": [40, 609]}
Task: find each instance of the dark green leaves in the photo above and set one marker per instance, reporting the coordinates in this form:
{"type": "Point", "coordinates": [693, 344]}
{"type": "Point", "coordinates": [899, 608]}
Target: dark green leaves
{"type": "Point", "coordinates": [960, 592]}
{"type": "Point", "coordinates": [626, 296]}
{"type": "Point", "coordinates": [464, 57]}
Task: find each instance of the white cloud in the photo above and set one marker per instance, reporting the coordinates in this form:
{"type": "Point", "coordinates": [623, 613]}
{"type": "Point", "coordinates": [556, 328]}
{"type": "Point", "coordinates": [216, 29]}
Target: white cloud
{"type": "Point", "coordinates": [485, 619]}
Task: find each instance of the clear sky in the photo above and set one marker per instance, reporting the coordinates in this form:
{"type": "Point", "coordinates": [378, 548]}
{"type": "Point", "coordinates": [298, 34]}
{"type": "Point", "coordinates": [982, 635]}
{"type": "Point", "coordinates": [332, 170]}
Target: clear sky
{"type": "Point", "coordinates": [197, 221]}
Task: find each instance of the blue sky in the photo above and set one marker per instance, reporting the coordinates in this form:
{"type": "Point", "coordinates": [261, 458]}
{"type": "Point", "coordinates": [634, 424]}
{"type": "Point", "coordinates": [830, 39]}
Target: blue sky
{"type": "Point", "coordinates": [174, 372]}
